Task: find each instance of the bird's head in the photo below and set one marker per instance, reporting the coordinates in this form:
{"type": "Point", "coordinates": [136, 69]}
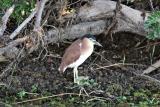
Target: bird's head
{"type": "Point", "coordinates": [92, 39]}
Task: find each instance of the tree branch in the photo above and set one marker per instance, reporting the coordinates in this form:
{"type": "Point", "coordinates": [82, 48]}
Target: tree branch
{"type": "Point", "coordinates": [11, 51]}
{"type": "Point", "coordinates": [152, 67]}
{"type": "Point", "coordinates": [94, 19]}
{"type": "Point", "coordinates": [40, 5]}
{"type": "Point", "coordinates": [5, 19]}
{"type": "Point", "coordinates": [21, 26]}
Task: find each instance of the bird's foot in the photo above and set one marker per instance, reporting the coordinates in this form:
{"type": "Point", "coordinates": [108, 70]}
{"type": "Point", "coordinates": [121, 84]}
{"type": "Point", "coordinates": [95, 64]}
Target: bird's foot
{"type": "Point", "coordinates": [81, 79]}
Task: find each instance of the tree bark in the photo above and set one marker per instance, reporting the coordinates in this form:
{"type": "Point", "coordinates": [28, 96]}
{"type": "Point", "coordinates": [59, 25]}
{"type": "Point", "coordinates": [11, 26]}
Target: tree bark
{"type": "Point", "coordinates": [94, 19]}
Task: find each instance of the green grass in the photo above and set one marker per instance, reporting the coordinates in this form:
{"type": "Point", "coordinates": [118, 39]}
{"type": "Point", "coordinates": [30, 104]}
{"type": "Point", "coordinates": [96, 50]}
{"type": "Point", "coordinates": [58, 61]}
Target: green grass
{"type": "Point", "coordinates": [135, 98]}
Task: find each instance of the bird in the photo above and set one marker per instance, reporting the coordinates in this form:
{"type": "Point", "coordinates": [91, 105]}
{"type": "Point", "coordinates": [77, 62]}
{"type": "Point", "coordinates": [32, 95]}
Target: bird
{"type": "Point", "coordinates": [77, 53]}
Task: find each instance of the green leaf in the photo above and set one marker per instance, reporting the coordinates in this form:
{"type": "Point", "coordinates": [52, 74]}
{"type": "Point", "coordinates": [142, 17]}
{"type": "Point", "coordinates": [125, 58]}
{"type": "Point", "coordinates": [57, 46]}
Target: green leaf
{"type": "Point", "coordinates": [152, 25]}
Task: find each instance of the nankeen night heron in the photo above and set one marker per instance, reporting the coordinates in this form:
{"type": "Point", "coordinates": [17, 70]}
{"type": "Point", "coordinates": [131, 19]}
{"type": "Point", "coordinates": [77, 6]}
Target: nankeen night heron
{"type": "Point", "coordinates": [77, 53]}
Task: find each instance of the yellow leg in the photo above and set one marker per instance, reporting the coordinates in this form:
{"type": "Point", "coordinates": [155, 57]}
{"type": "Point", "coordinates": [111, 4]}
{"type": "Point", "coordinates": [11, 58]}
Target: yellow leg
{"type": "Point", "coordinates": [75, 71]}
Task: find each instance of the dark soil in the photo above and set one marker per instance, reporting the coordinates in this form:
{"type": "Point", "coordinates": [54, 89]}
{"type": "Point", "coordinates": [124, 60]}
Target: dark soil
{"type": "Point", "coordinates": [114, 81]}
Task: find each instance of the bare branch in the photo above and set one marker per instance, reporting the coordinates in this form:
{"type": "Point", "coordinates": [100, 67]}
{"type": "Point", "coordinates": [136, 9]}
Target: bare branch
{"type": "Point", "coordinates": [10, 51]}
{"type": "Point", "coordinates": [18, 41]}
{"type": "Point", "coordinates": [5, 19]}
{"type": "Point", "coordinates": [75, 31]}
{"type": "Point", "coordinates": [151, 4]}
{"type": "Point", "coordinates": [95, 19]}
{"type": "Point", "coordinates": [16, 32]}
{"type": "Point", "coordinates": [152, 67]}
{"type": "Point", "coordinates": [149, 78]}
{"type": "Point", "coordinates": [114, 21]}
{"type": "Point", "coordinates": [41, 5]}
{"type": "Point", "coordinates": [13, 44]}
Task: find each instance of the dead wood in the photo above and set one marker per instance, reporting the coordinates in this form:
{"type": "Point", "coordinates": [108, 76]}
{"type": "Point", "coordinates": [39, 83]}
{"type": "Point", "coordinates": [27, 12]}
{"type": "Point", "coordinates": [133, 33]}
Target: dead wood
{"type": "Point", "coordinates": [16, 32]}
{"type": "Point", "coordinates": [11, 51]}
{"type": "Point", "coordinates": [152, 67]}
{"type": "Point", "coordinates": [40, 7]}
{"type": "Point", "coordinates": [94, 19]}
{"type": "Point", "coordinates": [5, 19]}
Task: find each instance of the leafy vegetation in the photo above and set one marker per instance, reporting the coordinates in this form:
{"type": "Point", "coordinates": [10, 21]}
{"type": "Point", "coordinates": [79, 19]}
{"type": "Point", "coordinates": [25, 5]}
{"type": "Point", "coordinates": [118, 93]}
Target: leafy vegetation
{"type": "Point", "coordinates": [131, 96]}
{"type": "Point", "coordinates": [152, 25]}
{"type": "Point", "coordinates": [141, 98]}
{"type": "Point", "coordinates": [136, 98]}
{"type": "Point", "coordinates": [22, 8]}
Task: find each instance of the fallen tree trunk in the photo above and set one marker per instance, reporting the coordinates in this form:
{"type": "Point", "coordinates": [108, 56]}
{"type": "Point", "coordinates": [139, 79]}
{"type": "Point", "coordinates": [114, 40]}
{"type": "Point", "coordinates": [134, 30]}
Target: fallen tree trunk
{"type": "Point", "coordinates": [94, 19]}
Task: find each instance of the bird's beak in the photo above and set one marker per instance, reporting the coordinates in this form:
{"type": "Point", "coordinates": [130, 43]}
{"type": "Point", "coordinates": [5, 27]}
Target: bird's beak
{"type": "Point", "coordinates": [97, 43]}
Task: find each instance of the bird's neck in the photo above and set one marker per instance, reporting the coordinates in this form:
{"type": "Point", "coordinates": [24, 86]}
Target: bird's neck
{"type": "Point", "coordinates": [87, 46]}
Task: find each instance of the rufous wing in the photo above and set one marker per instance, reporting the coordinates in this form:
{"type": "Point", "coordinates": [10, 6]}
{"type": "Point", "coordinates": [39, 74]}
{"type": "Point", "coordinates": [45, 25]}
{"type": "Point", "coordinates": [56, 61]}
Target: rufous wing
{"type": "Point", "coordinates": [71, 54]}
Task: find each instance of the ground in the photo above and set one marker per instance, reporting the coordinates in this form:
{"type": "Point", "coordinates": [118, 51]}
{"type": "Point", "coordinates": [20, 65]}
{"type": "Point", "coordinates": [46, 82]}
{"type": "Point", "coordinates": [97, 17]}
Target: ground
{"type": "Point", "coordinates": [37, 77]}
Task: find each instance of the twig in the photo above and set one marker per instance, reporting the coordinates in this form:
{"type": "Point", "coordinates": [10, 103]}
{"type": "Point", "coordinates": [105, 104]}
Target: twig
{"type": "Point", "coordinates": [41, 5]}
{"type": "Point", "coordinates": [38, 39]}
{"type": "Point", "coordinates": [46, 17]}
{"type": "Point", "coordinates": [83, 89]}
{"type": "Point", "coordinates": [18, 41]}
{"type": "Point", "coordinates": [118, 64]}
{"type": "Point", "coordinates": [62, 94]}
{"type": "Point", "coordinates": [6, 69]}
{"type": "Point", "coordinates": [150, 78]}
{"type": "Point", "coordinates": [74, 3]}
{"type": "Point", "coordinates": [94, 99]}
{"type": "Point", "coordinates": [152, 67]}
{"type": "Point", "coordinates": [151, 44]}
{"type": "Point", "coordinates": [114, 21]}
{"type": "Point", "coordinates": [151, 4]}
{"type": "Point", "coordinates": [11, 46]}
{"type": "Point", "coordinates": [16, 62]}
{"type": "Point", "coordinates": [147, 77]}
{"type": "Point", "coordinates": [47, 14]}
{"type": "Point", "coordinates": [11, 66]}
{"type": "Point", "coordinates": [102, 57]}
{"type": "Point", "coordinates": [16, 32]}
{"type": "Point", "coordinates": [5, 19]}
